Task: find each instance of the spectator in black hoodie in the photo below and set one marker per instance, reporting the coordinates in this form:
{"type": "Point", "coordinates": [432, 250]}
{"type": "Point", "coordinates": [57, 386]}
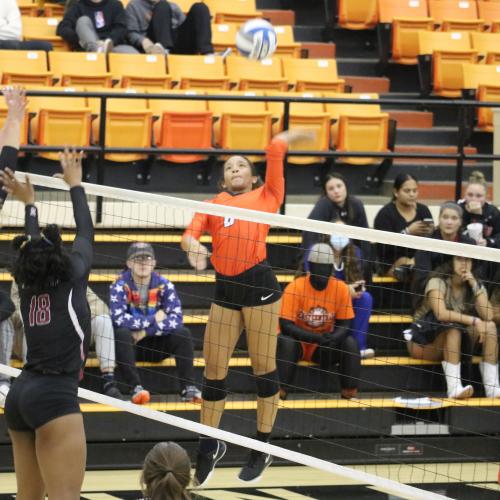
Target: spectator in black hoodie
{"type": "Point", "coordinates": [96, 26]}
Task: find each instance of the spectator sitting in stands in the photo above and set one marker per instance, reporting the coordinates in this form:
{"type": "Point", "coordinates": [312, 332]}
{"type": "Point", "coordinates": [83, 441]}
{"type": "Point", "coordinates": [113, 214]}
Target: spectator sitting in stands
{"type": "Point", "coordinates": [166, 473]}
{"type": "Point", "coordinates": [11, 28]}
{"type": "Point", "coordinates": [147, 317]}
{"type": "Point", "coordinates": [448, 229]}
{"type": "Point", "coordinates": [315, 320]}
{"type": "Point", "coordinates": [455, 303]}
{"type": "Point", "coordinates": [96, 26]}
{"type": "Point", "coordinates": [406, 216]}
{"type": "Point", "coordinates": [159, 27]}
{"type": "Point", "coordinates": [337, 203]}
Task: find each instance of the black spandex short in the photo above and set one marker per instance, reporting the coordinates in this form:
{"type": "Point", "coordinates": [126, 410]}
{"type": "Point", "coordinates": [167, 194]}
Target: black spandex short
{"type": "Point", "coordinates": [257, 286]}
{"type": "Point", "coordinates": [36, 399]}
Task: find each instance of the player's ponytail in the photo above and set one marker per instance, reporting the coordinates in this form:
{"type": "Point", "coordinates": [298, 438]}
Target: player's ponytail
{"type": "Point", "coordinates": [166, 473]}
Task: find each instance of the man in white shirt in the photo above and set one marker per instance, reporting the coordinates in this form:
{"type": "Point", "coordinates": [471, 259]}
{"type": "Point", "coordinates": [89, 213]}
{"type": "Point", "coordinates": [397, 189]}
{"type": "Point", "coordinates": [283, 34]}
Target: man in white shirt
{"type": "Point", "coordinates": [11, 37]}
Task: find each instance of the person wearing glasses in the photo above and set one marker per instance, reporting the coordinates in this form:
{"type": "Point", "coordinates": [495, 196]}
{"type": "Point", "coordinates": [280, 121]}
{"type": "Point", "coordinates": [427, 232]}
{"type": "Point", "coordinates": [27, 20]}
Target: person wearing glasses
{"type": "Point", "coordinates": [148, 324]}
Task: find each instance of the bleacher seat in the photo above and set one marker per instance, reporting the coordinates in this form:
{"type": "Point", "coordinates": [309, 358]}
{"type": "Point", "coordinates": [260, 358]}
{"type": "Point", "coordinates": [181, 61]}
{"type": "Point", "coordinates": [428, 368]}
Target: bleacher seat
{"type": "Point", "coordinates": [229, 11]}
{"type": "Point", "coordinates": [27, 7]}
{"type": "Point", "coordinates": [307, 75]}
{"type": "Point", "coordinates": [24, 67]}
{"type": "Point", "coordinates": [140, 71]}
{"type": "Point", "coordinates": [357, 15]}
{"type": "Point", "coordinates": [43, 28]}
{"type": "Point", "coordinates": [224, 36]}
{"type": "Point", "coordinates": [182, 124]}
{"type": "Point", "coordinates": [455, 15]}
{"type": "Point", "coordinates": [287, 46]}
{"type": "Point", "coordinates": [489, 11]}
{"type": "Point", "coordinates": [197, 72]}
{"type": "Point", "coordinates": [487, 93]}
{"type": "Point", "coordinates": [256, 75]}
{"type": "Point", "coordinates": [53, 9]}
{"type": "Point", "coordinates": [487, 46]}
{"type": "Point", "coordinates": [87, 69]}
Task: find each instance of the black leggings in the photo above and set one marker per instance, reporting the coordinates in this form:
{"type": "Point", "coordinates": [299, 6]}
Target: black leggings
{"type": "Point", "coordinates": [193, 36]}
{"type": "Point", "coordinates": [154, 349]}
{"type": "Point", "coordinates": [346, 355]}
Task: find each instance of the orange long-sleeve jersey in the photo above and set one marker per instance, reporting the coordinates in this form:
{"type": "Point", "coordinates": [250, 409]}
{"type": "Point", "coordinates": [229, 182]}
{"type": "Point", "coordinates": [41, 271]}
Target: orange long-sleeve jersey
{"type": "Point", "coordinates": [238, 245]}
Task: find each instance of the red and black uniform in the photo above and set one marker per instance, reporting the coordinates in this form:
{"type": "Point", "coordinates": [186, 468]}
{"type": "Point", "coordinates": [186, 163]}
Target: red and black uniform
{"type": "Point", "coordinates": [243, 277]}
{"type": "Point", "coordinates": [57, 327]}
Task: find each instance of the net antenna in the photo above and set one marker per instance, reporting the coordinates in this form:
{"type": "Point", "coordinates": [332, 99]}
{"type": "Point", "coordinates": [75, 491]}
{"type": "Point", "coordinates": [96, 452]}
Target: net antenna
{"type": "Point", "coordinates": [389, 486]}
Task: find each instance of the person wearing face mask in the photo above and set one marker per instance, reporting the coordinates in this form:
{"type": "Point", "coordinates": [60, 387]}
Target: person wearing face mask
{"type": "Point", "coordinates": [448, 229]}
{"type": "Point", "coordinates": [402, 215]}
{"type": "Point", "coordinates": [96, 26]}
{"type": "Point", "coordinates": [315, 324]}
{"type": "Point", "coordinates": [347, 267]}
{"type": "Point", "coordinates": [337, 203]}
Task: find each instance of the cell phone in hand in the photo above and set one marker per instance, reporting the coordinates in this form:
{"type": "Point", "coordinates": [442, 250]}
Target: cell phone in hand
{"type": "Point", "coordinates": [428, 221]}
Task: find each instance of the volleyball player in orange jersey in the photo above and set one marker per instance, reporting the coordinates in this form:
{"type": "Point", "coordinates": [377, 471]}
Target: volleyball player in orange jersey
{"type": "Point", "coordinates": [247, 295]}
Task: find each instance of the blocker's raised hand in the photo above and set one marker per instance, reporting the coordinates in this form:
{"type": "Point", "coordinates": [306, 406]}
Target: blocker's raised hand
{"type": "Point", "coordinates": [71, 164]}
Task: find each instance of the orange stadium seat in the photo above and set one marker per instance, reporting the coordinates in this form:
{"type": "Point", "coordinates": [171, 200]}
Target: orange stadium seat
{"type": "Point", "coordinates": [27, 7]}
{"type": "Point", "coordinates": [24, 67]}
{"type": "Point", "coordinates": [241, 124]}
{"type": "Point", "coordinates": [407, 18]}
{"type": "Point", "coordinates": [43, 28]}
{"type": "Point", "coordinates": [231, 11]}
{"type": "Point", "coordinates": [455, 15]}
{"type": "Point", "coordinates": [487, 93]}
{"type": "Point", "coordinates": [357, 15]}
{"type": "Point", "coordinates": [287, 46]}
{"type": "Point", "coordinates": [489, 11]}
{"type": "Point", "coordinates": [141, 71]}
{"type": "Point", "coordinates": [304, 115]}
{"type": "Point", "coordinates": [197, 72]}
{"type": "Point", "coordinates": [256, 75]}
{"type": "Point", "coordinates": [224, 36]}
{"type": "Point", "coordinates": [182, 124]}
{"type": "Point", "coordinates": [53, 9]}
{"type": "Point", "coordinates": [487, 46]}
{"type": "Point", "coordinates": [313, 75]}
{"type": "Point", "coordinates": [80, 68]}
{"type": "Point", "coordinates": [454, 50]}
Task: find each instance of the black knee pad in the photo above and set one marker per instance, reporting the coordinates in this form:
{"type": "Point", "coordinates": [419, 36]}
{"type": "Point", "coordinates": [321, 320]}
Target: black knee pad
{"type": "Point", "coordinates": [268, 384]}
{"type": "Point", "coordinates": [214, 390]}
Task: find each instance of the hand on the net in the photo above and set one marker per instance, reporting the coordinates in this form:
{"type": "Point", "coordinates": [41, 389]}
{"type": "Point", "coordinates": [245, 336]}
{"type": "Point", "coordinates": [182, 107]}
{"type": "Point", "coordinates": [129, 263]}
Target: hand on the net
{"type": "Point", "coordinates": [15, 98]}
{"type": "Point", "coordinates": [295, 136]}
{"type": "Point", "coordinates": [23, 191]}
{"type": "Point", "coordinates": [199, 258]}
{"type": "Point", "coordinates": [71, 164]}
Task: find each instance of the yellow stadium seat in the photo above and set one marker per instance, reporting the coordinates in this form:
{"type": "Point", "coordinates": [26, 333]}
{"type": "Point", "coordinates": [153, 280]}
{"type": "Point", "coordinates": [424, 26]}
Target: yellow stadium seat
{"type": "Point", "coordinates": [313, 75]}
{"type": "Point", "coordinates": [287, 46]}
{"type": "Point", "coordinates": [53, 9]}
{"type": "Point", "coordinates": [487, 46]}
{"type": "Point", "coordinates": [487, 93]}
{"type": "Point", "coordinates": [182, 123]}
{"type": "Point", "coordinates": [198, 72]}
{"type": "Point", "coordinates": [406, 9]}
{"type": "Point", "coordinates": [140, 71]}
{"type": "Point", "coordinates": [358, 14]}
{"type": "Point", "coordinates": [233, 11]}
{"type": "Point", "coordinates": [80, 68]}
{"type": "Point", "coordinates": [24, 67]}
{"type": "Point", "coordinates": [224, 36]}
{"type": "Point", "coordinates": [488, 11]}
{"type": "Point", "coordinates": [59, 121]}
{"type": "Point", "coordinates": [455, 15]}
{"type": "Point", "coordinates": [363, 133]}
{"type": "Point", "coordinates": [303, 115]}
{"type": "Point", "coordinates": [27, 7]}
{"type": "Point", "coordinates": [475, 75]}
{"type": "Point", "coordinates": [43, 28]}
{"type": "Point", "coordinates": [256, 75]}
{"type": "Point", "coordinates": [241, 124]}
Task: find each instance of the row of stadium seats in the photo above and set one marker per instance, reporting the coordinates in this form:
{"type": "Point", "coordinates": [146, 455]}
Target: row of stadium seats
{"type": "Point", "coordinates": [223, 11]}
{"type": "Point", "coordinates": [223, 35]}
{"type": "Point", "coordinates": [444, 14]}
{"type": "Point", "coordinates": [141, 123]}
{"type": "Point", "coordinates": [150, 71]}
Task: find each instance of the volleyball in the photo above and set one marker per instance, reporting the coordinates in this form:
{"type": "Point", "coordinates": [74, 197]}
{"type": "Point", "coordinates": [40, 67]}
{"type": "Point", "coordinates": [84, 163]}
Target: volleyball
{"type": "Point", "coordinates": [256, 39]}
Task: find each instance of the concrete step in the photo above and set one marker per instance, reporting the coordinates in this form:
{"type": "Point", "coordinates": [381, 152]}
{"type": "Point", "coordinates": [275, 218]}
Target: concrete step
{"type": "Point", "coordinates": [418, 148]}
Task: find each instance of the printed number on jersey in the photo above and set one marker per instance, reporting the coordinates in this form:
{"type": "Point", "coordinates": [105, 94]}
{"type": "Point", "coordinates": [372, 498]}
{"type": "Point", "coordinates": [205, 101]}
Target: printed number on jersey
{"type": "Point", "coordinates": [39, 310]}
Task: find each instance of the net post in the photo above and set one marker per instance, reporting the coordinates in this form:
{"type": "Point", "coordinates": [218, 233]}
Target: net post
{"type": "Point", "coordinates": [101, 156]}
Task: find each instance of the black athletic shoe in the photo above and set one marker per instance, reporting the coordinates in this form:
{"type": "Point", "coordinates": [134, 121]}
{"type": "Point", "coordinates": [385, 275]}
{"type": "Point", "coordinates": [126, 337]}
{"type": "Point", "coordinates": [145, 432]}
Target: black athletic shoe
{"type": "Point", "coordinates": [255, 467]}
{"type": "Point", "coordinates": [206, 462]}
{"type": "Point", "coordinates": [111, 389]}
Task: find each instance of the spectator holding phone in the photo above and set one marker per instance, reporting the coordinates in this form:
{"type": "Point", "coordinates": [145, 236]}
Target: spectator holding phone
{"type": "Point", "coordinates": [404, 215]}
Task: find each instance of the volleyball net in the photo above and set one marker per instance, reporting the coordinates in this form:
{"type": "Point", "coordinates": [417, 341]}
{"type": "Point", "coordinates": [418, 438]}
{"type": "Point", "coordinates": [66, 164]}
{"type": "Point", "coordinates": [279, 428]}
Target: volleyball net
{"type": "Point", "coordinates": [332, 396]}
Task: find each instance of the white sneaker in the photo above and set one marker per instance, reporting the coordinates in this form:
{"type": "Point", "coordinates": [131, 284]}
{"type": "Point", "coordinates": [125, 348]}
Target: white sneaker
{"type": "Point", "coordinates": [367, 353]}
{"type": "Point", "coordinates": [4, 390]}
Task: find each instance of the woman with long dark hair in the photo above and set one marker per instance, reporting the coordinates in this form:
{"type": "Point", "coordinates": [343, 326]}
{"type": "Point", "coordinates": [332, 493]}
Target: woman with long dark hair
{"type": "Point", "coordinates": [336, 203]}
{"type": "Point", "coordinates": [247, 295]}
{"type": "Point", "coordinates": [404, 215]}
{"type": "Point", "coordinates": [42, 411]}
